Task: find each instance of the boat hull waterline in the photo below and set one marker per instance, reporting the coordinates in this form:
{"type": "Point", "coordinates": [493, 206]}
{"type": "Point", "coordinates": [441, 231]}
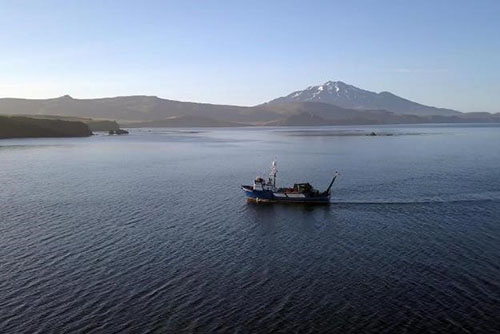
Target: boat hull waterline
{"type": "Point", "coordinates": [272, 197]}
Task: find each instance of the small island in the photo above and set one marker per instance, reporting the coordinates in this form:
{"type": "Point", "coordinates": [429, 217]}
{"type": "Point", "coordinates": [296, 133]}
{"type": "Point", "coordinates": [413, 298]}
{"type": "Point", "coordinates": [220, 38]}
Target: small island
{"type": "Point", "coordinates": [26, 127]}
{"type": "Point", "coordinates": [118, 132]}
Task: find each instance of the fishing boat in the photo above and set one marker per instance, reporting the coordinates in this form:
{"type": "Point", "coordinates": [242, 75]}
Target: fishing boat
{"type": "Point", "coordinates": [266, 191]}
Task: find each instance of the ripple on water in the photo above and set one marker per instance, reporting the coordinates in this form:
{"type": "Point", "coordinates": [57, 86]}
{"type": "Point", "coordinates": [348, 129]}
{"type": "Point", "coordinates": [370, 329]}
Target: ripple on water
{"type": "Point", "coordinates": [152, 234]}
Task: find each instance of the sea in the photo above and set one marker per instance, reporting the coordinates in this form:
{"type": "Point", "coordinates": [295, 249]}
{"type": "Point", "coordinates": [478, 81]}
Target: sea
{"type": "Point", "coordinates": [151, 233]}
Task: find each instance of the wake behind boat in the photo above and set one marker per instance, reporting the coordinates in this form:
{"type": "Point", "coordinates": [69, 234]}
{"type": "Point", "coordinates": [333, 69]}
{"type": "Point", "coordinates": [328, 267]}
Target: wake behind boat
{"type": "Point", "coordinates": [262, 191]}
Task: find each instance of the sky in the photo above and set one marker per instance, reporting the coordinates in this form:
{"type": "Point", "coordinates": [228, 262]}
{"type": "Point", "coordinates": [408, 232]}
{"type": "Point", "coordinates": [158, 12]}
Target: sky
{"type": "Point", "coordinates": [440, 53]}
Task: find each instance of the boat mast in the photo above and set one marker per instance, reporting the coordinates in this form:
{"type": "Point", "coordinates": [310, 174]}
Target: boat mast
{"type": "Point", "coordinates": [274, 171]}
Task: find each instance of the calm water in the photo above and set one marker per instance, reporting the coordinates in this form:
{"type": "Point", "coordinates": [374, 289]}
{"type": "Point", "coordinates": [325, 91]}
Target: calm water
{"type": "Point", "coordinates": [151, 233]}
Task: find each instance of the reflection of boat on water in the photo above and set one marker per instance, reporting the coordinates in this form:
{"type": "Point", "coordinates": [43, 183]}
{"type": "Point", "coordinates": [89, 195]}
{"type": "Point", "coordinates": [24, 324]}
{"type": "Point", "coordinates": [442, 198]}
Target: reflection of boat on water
{"type": "Point", "coordinates": [262, 191]}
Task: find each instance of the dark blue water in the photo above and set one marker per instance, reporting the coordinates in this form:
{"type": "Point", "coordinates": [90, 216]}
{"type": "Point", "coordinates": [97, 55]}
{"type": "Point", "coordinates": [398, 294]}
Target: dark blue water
{"type": "Point", "coordinates": [151, 233]}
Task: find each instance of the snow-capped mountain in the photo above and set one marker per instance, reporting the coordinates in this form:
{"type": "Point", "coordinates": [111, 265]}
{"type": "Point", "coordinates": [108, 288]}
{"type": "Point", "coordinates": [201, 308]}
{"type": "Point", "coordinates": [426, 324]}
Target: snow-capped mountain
{"type": "Point", "coordinates": [347, 96]}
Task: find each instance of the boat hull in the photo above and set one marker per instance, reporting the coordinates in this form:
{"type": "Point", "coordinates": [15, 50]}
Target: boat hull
{"type": "Point", "coordinates": [277, 197]}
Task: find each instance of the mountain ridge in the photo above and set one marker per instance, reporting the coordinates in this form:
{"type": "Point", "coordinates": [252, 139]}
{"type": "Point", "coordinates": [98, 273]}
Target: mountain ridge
{"type": "Point", "coordinates": [348, 96]}
{"type": "Point", "coordinates": [312, 106]}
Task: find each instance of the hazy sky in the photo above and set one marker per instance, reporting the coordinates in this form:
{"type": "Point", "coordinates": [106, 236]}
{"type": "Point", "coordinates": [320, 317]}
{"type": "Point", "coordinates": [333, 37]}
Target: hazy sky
{"type": "Point", "coordinates": [442, 53]}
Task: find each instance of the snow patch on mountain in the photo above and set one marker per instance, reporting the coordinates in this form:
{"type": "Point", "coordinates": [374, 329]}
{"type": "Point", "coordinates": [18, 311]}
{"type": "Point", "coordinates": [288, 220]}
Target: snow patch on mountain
{"type": "Point", "coordinates": [347, 96]}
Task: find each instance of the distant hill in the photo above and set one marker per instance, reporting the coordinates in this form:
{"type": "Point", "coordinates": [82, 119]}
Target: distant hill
{"type": "Point", "coordinates": [24, 127]}
{"type": "Point", "coordinates": [123, 108]}
{"type": "Point", "coordinates": [184, 121]}
{"type": "Point", "coordinates": [347, 96]}
{"type": "Point", "coordinates": [312, 106]}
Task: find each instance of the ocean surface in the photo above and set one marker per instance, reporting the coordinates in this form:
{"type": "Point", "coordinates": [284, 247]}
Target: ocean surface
{"type": "Point", "coordinates": [151, 233]}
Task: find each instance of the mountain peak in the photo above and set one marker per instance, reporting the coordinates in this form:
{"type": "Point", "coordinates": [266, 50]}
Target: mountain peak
{"type": "Point", "coordinates": [334, 83]}
{"type": "Point", "coordinates": [386, 93]}
{"type": "Point", "coordinates": [347, 96]}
